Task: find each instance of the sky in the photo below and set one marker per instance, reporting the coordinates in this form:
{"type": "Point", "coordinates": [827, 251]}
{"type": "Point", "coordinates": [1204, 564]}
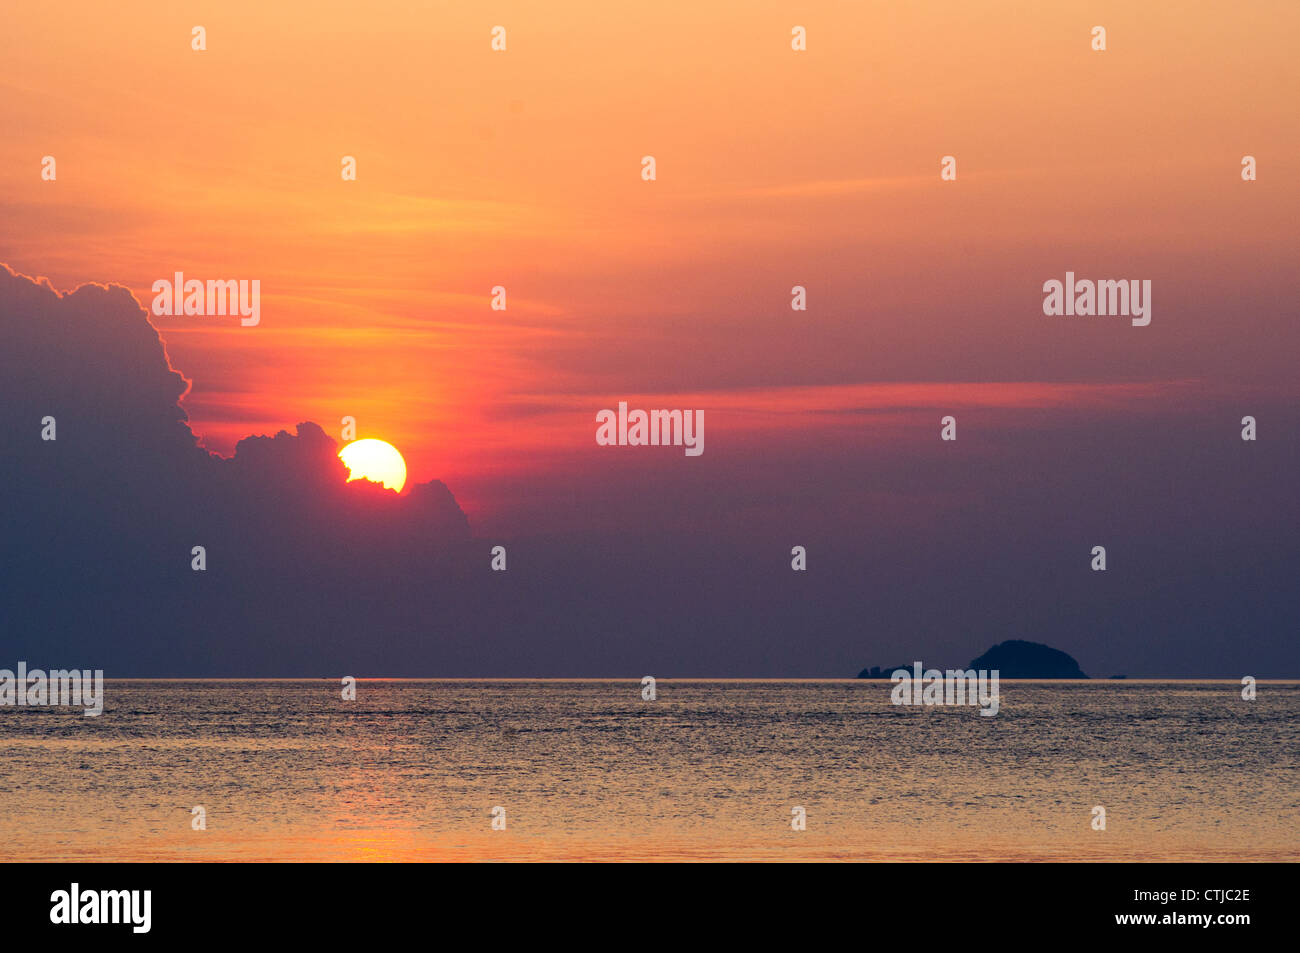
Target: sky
{"type": "Point", "coordinates": [774, 168]}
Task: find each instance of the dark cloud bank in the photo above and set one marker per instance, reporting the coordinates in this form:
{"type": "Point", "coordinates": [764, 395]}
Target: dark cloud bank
{"type": "Point", "coordinates": [309, 575]}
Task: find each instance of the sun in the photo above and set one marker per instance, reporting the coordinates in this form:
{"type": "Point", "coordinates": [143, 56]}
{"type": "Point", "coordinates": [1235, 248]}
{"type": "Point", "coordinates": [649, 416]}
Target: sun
{"type": "Point", "coordinates": [375, 460]}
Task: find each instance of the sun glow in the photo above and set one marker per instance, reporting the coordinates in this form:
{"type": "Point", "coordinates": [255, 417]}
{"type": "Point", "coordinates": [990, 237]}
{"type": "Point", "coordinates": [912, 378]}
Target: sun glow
{"type": "Point", "coordinates": [375, 460]}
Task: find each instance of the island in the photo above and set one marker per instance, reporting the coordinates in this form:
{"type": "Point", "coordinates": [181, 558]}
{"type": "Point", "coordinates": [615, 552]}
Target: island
{"type": "Point", "coordinates": [1014, 658]}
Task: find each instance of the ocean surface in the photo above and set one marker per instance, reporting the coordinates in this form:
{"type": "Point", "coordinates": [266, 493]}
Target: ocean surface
{"type": "Point", "coordinates": [586, 770]}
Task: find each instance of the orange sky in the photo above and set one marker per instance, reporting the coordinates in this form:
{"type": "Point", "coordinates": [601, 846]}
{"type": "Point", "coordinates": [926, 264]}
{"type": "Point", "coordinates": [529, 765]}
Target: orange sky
{"type": "Point", "coordinates": [478, 168]}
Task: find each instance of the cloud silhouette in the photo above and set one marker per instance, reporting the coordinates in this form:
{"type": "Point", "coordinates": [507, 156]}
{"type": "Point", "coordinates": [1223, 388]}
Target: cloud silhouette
{"type": "Point", "coordinates": [102, 520]}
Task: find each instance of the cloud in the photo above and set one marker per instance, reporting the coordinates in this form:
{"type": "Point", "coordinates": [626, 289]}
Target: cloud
{"type": "Point", "coordinates": [104, 518]}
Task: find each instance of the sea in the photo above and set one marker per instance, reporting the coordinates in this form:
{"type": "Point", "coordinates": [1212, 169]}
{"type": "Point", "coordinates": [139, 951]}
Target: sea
{"type": "Point", "coordinates": [709, 770]}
